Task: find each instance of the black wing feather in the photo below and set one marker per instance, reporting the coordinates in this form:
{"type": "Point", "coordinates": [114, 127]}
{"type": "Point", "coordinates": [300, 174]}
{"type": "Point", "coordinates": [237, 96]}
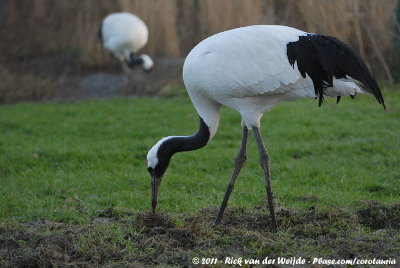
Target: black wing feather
{"type": "Point", "coordinates": [324, 57]}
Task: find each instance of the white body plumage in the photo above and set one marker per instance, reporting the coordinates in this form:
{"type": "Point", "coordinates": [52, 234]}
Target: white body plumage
{"type": "Point", "coordinates": [248, 70]}
{"type": "Point", "coordinates": [124, 34]}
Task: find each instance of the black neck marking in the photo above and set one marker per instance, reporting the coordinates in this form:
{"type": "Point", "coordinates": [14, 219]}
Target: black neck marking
{"type": "Point", "coordinates": [322, 57]}
{"type": "Point", "coordinates": [135, 60]}
{"type": "Point", "coordinates": [180, 144]}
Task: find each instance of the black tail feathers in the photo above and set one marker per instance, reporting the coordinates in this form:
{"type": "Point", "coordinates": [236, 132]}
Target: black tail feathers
{"type": "Point", "coordinates": [325, 57]}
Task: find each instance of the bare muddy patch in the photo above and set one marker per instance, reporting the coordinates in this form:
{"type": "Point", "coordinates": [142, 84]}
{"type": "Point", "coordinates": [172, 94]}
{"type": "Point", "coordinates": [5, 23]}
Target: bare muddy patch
{"type": "Point", "coordinates": [378, 216]}
{"type": "Point", "coordinates": [173, 240]}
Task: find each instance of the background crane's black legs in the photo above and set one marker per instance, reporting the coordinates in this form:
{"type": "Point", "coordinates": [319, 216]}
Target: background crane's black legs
{"type": "Point", "coordinates": [129, 81]}
{"type": "Point", "coordinates": [239, 162]}
{"type": "Point", "coordinates": [264, 162]}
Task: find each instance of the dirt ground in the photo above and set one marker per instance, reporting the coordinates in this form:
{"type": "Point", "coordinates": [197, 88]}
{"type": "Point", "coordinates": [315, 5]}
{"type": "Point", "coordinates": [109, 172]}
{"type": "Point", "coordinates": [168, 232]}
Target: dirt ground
{"type": "Point", "coordinates": [59, 77]}
{"type": "Point", "coordinates": [166, 72]}
{"type": "Point", "coordinates": [143, 239]}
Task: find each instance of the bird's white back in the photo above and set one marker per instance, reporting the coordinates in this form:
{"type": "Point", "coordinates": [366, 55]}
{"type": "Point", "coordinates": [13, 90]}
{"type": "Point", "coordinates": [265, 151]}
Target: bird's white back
{"type": "Point", "coordinates": [124, 33]}
{"type": "Point", "coordinates": [245, 61]}
{"type": "Point", "coordinates": [235, 67]}
{"type": "Point", "coordinates": [248, 70]}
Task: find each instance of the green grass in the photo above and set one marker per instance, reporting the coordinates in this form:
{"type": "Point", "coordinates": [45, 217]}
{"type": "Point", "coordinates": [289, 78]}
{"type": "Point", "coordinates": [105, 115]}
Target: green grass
{"type": "Point", "coordinates": [65, 161]}
{"type": "Point", "coordinates": [75, 190]}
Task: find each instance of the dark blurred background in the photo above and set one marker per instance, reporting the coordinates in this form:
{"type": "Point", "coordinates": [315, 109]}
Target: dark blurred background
{"type": "Point", "coordinates": [50, 48]}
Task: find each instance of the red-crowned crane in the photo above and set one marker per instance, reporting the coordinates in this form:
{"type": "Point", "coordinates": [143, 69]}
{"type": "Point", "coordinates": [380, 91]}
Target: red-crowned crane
{"type": "Point", "coordinates": [251, 69]}
{"type": "Point", "coordinates": [124, 34]}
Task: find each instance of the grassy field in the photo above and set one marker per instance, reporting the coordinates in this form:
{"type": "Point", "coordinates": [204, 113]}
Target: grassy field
{"type": "Point", "coordinates": [75, 189]}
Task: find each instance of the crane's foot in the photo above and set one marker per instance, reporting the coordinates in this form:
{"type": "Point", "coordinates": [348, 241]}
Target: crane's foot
{"type": "Point", "coordinates": [224, 204]}
{"type": "Point", "coordinates": [274, 224]}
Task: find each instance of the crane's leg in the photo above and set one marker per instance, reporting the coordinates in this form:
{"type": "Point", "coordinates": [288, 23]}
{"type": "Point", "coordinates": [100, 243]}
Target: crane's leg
{"type": "Point", "coordinates": [129, 80]}
{"type": "Point", "coordinates": [127, 73]}
{"type": "Point", "coordinates": [264, 162]}
{"type": "Point", "coordinates": [239, 162]}
{"type": "Point", "coordinates": [136, 89]}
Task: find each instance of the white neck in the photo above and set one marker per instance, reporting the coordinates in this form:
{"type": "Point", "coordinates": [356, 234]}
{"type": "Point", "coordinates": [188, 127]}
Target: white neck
{"type": "Point", "coordinates": [147, 62]}
{"type": "Point", "coordinates": [207, 109]}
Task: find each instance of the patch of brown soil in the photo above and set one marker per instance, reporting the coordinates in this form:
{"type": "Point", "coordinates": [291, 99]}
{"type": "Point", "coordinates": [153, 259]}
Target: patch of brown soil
{"type": "Point", "coordinates": [160, 239]}
{"type": "Point", "coordinates": [378, 216]}
{"type": "Point", "coordinates": [150, 220]}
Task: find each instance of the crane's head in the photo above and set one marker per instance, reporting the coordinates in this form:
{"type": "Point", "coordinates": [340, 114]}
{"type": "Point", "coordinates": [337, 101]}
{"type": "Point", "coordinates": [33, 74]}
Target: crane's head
{"type": "Point", "coordinates": [144, 59]}
{"type": "Point", "coordinates": [157, 163]}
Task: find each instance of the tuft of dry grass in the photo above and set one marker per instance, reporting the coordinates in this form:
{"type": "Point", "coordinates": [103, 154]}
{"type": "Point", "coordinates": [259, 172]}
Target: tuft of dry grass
{"type": "Point", "coordinates": [28, 87]}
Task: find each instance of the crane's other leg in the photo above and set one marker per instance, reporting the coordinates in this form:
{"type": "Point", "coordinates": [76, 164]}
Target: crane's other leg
{"type": "Point", "coordinates": [239, 162]}
{"type": "Point", "coordinates": [136, 89]}
{"type": "Point", "coordinates": [264, 162]}
{"type": "Point", "coordinates": [129, 82]}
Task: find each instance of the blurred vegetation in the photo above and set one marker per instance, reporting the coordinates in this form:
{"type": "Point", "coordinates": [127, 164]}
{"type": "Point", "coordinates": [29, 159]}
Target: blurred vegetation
{"type": "Point", "coordinates": [64, 34]}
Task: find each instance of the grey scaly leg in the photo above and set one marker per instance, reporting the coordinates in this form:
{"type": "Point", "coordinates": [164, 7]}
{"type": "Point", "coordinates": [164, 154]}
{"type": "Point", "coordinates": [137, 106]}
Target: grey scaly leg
{"type": "Point", "coordinates": [129, 80]}
{"type": "Point", "coordinates": [127, 74]}
{"type": "Point", "coordinates": [136, 89]}
{"type": "Point", "coordinates": [239, 162]}
{"type": "Point", "coordinates": [264, 162]}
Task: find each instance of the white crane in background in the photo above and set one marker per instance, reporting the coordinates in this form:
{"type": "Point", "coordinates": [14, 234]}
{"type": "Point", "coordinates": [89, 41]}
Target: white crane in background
{"type": "Point", "coordinates": [124, 34]}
